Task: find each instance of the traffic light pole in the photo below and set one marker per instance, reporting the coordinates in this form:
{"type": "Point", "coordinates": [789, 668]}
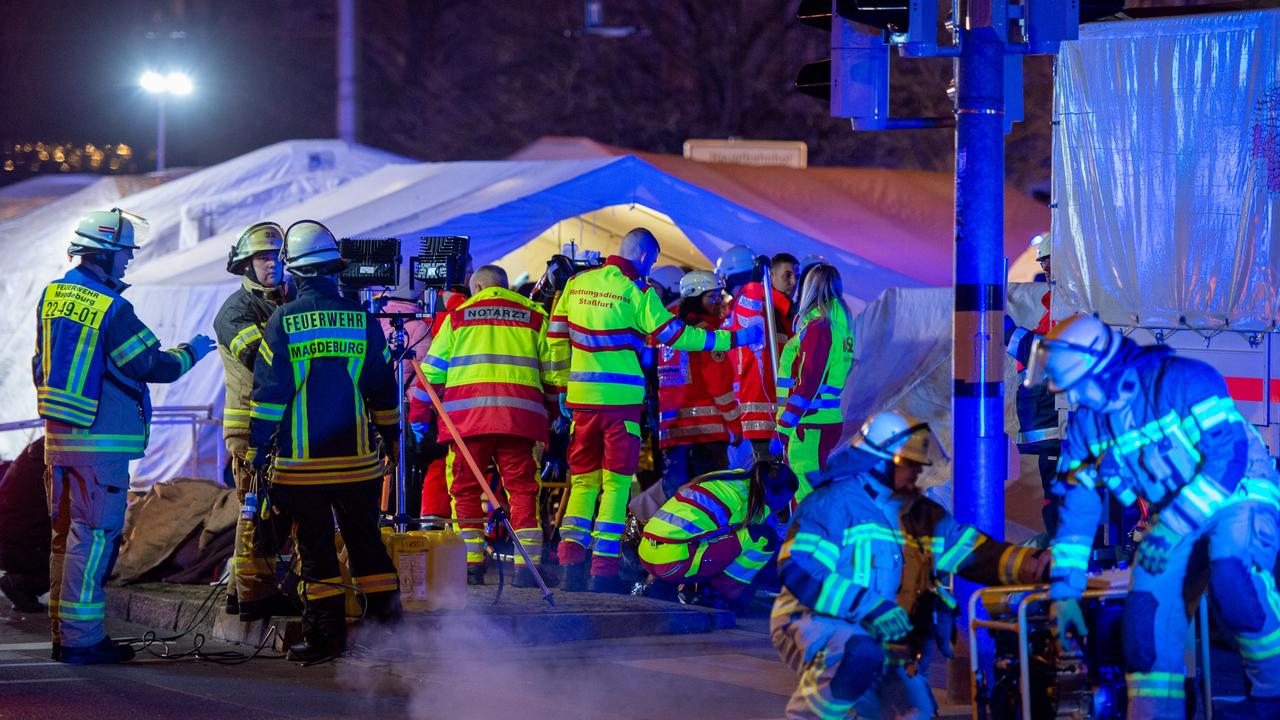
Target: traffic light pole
{"type": "Point", "coordinates": [981, 447]}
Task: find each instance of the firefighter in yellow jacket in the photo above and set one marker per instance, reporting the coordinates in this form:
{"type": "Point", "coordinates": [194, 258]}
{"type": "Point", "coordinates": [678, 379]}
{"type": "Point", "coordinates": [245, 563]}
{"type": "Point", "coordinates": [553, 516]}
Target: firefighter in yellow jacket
{"type": "Point", "coordinates": [255, 258]}
{"type": "Point", "coordinates": [491, 356]}
{"type": "Point", "coordinates": [93, 361]}
{"type": "Point", "coordinates": [604, 315]}
{"type": "Point", "coordinates": [323, 375]}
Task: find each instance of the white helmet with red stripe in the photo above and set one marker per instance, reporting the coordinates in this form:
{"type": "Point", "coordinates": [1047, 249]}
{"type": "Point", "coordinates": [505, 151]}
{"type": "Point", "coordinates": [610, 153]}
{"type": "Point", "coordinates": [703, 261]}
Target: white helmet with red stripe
{"type": "Point", "coordinates": [108, 231]}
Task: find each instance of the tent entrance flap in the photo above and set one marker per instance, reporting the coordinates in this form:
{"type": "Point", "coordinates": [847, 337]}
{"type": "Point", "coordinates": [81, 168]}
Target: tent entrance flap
{"type": "Point", "coordinates": [601, 231]}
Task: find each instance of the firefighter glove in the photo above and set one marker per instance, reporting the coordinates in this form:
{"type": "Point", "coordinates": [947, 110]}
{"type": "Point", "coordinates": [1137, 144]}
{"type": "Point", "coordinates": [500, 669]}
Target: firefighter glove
{"type": "Point", "coordinates": [200, 346]}
{"type": "Point", "coordinates": [564, 408]}
{"type": "Point", "coordinates": [1068, 619]}
{"type": "Point", "coordinates": [419, 431]}
{"type": "Point", "coordinates": [257, 459]}
{"type": "Point", "coordinates": [1153, 553]}
{"type": "Point", "coordinates": [888, 622]}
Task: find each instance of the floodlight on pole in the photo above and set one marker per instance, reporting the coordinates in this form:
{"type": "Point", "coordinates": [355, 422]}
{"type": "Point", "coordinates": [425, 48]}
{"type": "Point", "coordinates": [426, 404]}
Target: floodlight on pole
{"type": "Point", "coordinates": [174, 83]}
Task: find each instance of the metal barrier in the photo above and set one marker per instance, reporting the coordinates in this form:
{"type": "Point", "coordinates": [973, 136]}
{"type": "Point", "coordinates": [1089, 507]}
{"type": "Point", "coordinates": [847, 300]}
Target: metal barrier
{"type": "Point", "coordinates": [193, 415]}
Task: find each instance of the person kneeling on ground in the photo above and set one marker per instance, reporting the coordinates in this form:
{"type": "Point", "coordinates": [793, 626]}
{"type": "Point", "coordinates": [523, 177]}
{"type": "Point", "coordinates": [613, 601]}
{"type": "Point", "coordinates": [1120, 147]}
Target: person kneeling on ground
{"type": "Point", "coordinates": [862, 571]}
{"type": "Point", "coordinates": [719, 529]}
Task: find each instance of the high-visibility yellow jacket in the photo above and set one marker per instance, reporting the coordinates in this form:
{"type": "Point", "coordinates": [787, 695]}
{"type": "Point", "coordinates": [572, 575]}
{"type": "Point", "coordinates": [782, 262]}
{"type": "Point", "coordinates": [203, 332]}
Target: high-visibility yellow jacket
{"type": "Point", "coordinates": [93, 361]}
{"type": "Point", "coordinates": [491, 355]}
{"type": "Point", "coordinates": [604, 315]}
{"type": "Point", "coordinates": [816, 364]}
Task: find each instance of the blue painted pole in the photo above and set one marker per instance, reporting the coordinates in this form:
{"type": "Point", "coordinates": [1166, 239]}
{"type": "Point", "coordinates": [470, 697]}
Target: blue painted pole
{"type": "Point", "coordinates": [980, 445]}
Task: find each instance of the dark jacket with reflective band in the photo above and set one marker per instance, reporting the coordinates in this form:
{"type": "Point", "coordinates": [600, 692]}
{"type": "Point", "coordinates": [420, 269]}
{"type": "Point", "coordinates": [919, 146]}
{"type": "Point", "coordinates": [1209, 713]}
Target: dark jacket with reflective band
{"type": "Point", "coordinates": [323, 374]}
{"type": "Point", "coordinates": [238, 326]}
{"type": "Point", "coordinates": [1179, 444]}
{"type": "Point", "coordinates": [93, 360]}
{"type": "Point", "coordinates": [491, 356]}
{"type": "Point", "coordinates": [844, 554]}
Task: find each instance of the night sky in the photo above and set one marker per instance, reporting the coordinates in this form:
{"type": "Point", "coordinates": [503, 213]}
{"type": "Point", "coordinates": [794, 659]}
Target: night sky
{"type": "Point", "coordinates": [460, 79]}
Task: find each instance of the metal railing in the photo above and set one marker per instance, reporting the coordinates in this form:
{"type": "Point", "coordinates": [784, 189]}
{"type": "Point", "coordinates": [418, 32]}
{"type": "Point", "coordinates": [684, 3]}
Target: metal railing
{"type": "Point", "coordinates": [194, 415]}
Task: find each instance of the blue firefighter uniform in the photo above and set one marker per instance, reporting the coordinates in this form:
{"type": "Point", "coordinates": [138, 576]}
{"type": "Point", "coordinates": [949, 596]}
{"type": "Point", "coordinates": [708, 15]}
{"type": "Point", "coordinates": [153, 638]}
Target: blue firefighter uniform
{"type": "Point", "coordinates": [1175, 439]}
{"type": "Point", "coordinates": [322, 377]}
{"type": "Point", "coordinates": [859, 558]}
{"type": "Point", "coordinates": [93, 361]}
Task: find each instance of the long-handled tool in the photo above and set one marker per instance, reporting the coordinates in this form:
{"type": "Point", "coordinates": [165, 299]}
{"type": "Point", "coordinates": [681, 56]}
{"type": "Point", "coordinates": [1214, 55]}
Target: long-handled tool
{"type": "Point", "coordinates": [484, 484]}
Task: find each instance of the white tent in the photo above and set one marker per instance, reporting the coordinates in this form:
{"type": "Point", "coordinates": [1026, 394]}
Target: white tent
{"type": "Point", "coordinates": [181, 212]}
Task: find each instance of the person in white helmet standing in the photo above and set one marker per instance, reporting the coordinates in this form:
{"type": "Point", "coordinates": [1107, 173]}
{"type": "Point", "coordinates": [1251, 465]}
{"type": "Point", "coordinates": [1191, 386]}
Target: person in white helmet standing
{"type": "Point", "coordinates": [93, 361]}
{"type": "Point", "coordinates": [323, 376]}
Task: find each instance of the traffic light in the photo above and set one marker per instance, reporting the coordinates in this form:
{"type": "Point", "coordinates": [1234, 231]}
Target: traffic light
{"type": "Point", "coordinates": [912, 25]}
{"type": "Point", "coordinates": [855, 80]}
{"type": "Point", "coordinates": [1046, 23]}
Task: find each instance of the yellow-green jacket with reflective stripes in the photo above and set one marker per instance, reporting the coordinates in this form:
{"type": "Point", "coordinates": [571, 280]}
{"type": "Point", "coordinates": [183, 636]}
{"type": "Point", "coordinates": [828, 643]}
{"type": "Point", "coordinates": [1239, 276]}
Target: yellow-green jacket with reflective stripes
{"type": "Point", "coordinates": [323, 375]}
{"type": "Point", "coordinates": [238, 326]}
{"type": "Point", "coordinates": [93, 360]}
{"type": "Point", "coordinates": [604, 315]}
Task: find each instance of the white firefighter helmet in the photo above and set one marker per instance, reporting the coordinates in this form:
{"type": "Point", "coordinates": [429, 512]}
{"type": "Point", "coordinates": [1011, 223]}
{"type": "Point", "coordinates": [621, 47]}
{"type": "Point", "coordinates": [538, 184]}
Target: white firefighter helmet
{"type": "Point", "coordinates": [666, 277]}
{"type": "Point", "coordinates": [108, 231]}
{"type": "Point", "coordinates": [1080, 346]}
{"type": "Point", "coordinates": [260, 237]}
{"type": "Point", "coordinates": [696, 282]}
{"type": "Point", "coordinates": [1043, 245]}
{"type": "Point", "coordinates": [897, 436]}
{"type": "Point", "coordinates": [307, 243]}
{"type": "Point", "coordinates": [735, 261]}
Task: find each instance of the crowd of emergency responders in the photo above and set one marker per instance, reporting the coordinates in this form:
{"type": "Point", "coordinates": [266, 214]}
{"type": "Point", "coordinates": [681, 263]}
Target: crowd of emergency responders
{"type": "Point", "coordinates": [622, 364]}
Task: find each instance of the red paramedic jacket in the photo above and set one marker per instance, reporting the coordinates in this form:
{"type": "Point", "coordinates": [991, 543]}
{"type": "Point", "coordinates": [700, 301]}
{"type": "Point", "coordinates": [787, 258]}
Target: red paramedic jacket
{"type": "Point", "coordinates": [695, 393]}
{"type": "Point", "coordinates": [753, 384]}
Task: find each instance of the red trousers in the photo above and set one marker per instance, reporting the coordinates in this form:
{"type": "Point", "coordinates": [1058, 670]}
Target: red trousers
{"type": "Point", "coordinates": [513, 456]}
{"type": "Point", "coordinates": [603, 455]}
{"type": "Point", "coordinates": [435, 490]}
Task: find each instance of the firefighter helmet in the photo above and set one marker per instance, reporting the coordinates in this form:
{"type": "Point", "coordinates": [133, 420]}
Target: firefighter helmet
{"type": "Point", "coordinates": [696, 282]}
{"type": "Point", "coordinates": [735, 261]}
{"type": "Point", "coordinates": [897, 436]}
{"type": "Point", "coordinates": [1076, 348]}
{"type": "Point", "coordinates": [262, 237]}
{"type": "Point", "coordinates": [108, 231]}
{"type": "Point", "coordinates": [307, 244]}
{"type": "Point", "coordinates": [1043, 245]}
{"type": "Point", "coordinates": [666, 278]}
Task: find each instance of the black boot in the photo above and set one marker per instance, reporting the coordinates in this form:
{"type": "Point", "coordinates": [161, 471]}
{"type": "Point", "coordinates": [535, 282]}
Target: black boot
{"type": "Point", "coordinates": [21, 593]}
{"type": "Point", "coordinates": [278, 605]}
{"type": "Point", "coordinates": [665, 591]}
{"type": "Point", "coordinates": [105, 652]}
{"type": "Point", "coordinates": [475, 574]}
{"type": "Point", "coordinates": [316, 649]}
{"type": "Point", "coordinates": [574, 578]}
{"type": "Point", "coordinates": [611, 585]}
{"type": "Point", "coordinates": [57, 652]}
{"type": "Point", "coordinates": [233, 604]}
{"type": "Point", "coordinates": [524, 577]}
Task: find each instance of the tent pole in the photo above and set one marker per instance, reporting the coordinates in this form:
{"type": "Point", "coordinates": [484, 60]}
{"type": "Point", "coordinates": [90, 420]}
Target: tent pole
{"type": "Point", "coordinates": [981, 447]}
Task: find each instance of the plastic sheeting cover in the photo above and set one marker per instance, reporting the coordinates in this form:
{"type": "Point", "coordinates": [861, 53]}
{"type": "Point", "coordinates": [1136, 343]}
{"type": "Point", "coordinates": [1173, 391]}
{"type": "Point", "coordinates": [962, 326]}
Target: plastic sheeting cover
{"type": "Point", "coordinates": [1167, 172]}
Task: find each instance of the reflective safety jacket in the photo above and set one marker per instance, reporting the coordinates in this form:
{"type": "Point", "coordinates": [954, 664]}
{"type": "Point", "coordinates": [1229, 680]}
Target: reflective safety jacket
{"type": "Point", "coordinates": [1179, 443]}
{"type": "Point", "coordinates": [604, 315]}
{"type": "Point", "coordinates": [1038, 431]}
{"type": "Point", "coordinates": [491, 356]}
{"type": "Point", "coordinates": [323, 374]}
{"type": "Point", "coordinates": [854, 545]}
{"type": "Point", "coordinates": [92, 363]}
{"type": "Point", "coordinates": [238, 326]}
{"type": "Point", "coordinates": [815, 365]}
{"type": "Point", "coordinates": [753, 384]}
{"type": "Point", "coordinates": [708, 508]}
{"type": "Point", "coordinates": [695, 394]}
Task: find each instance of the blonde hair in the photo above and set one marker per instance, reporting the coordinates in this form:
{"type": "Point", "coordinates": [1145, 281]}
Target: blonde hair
{"type": "Point", "coordinates": [822, 290]}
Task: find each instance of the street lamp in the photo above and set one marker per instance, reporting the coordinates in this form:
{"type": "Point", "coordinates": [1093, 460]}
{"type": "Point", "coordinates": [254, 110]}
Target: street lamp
{"type": "Point", "coordinates": [175, 83]}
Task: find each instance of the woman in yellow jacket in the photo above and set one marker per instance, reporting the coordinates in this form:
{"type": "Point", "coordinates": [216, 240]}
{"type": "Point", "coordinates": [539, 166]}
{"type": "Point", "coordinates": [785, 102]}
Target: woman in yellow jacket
{"type": "Point", "coordinates": [814, 366]}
